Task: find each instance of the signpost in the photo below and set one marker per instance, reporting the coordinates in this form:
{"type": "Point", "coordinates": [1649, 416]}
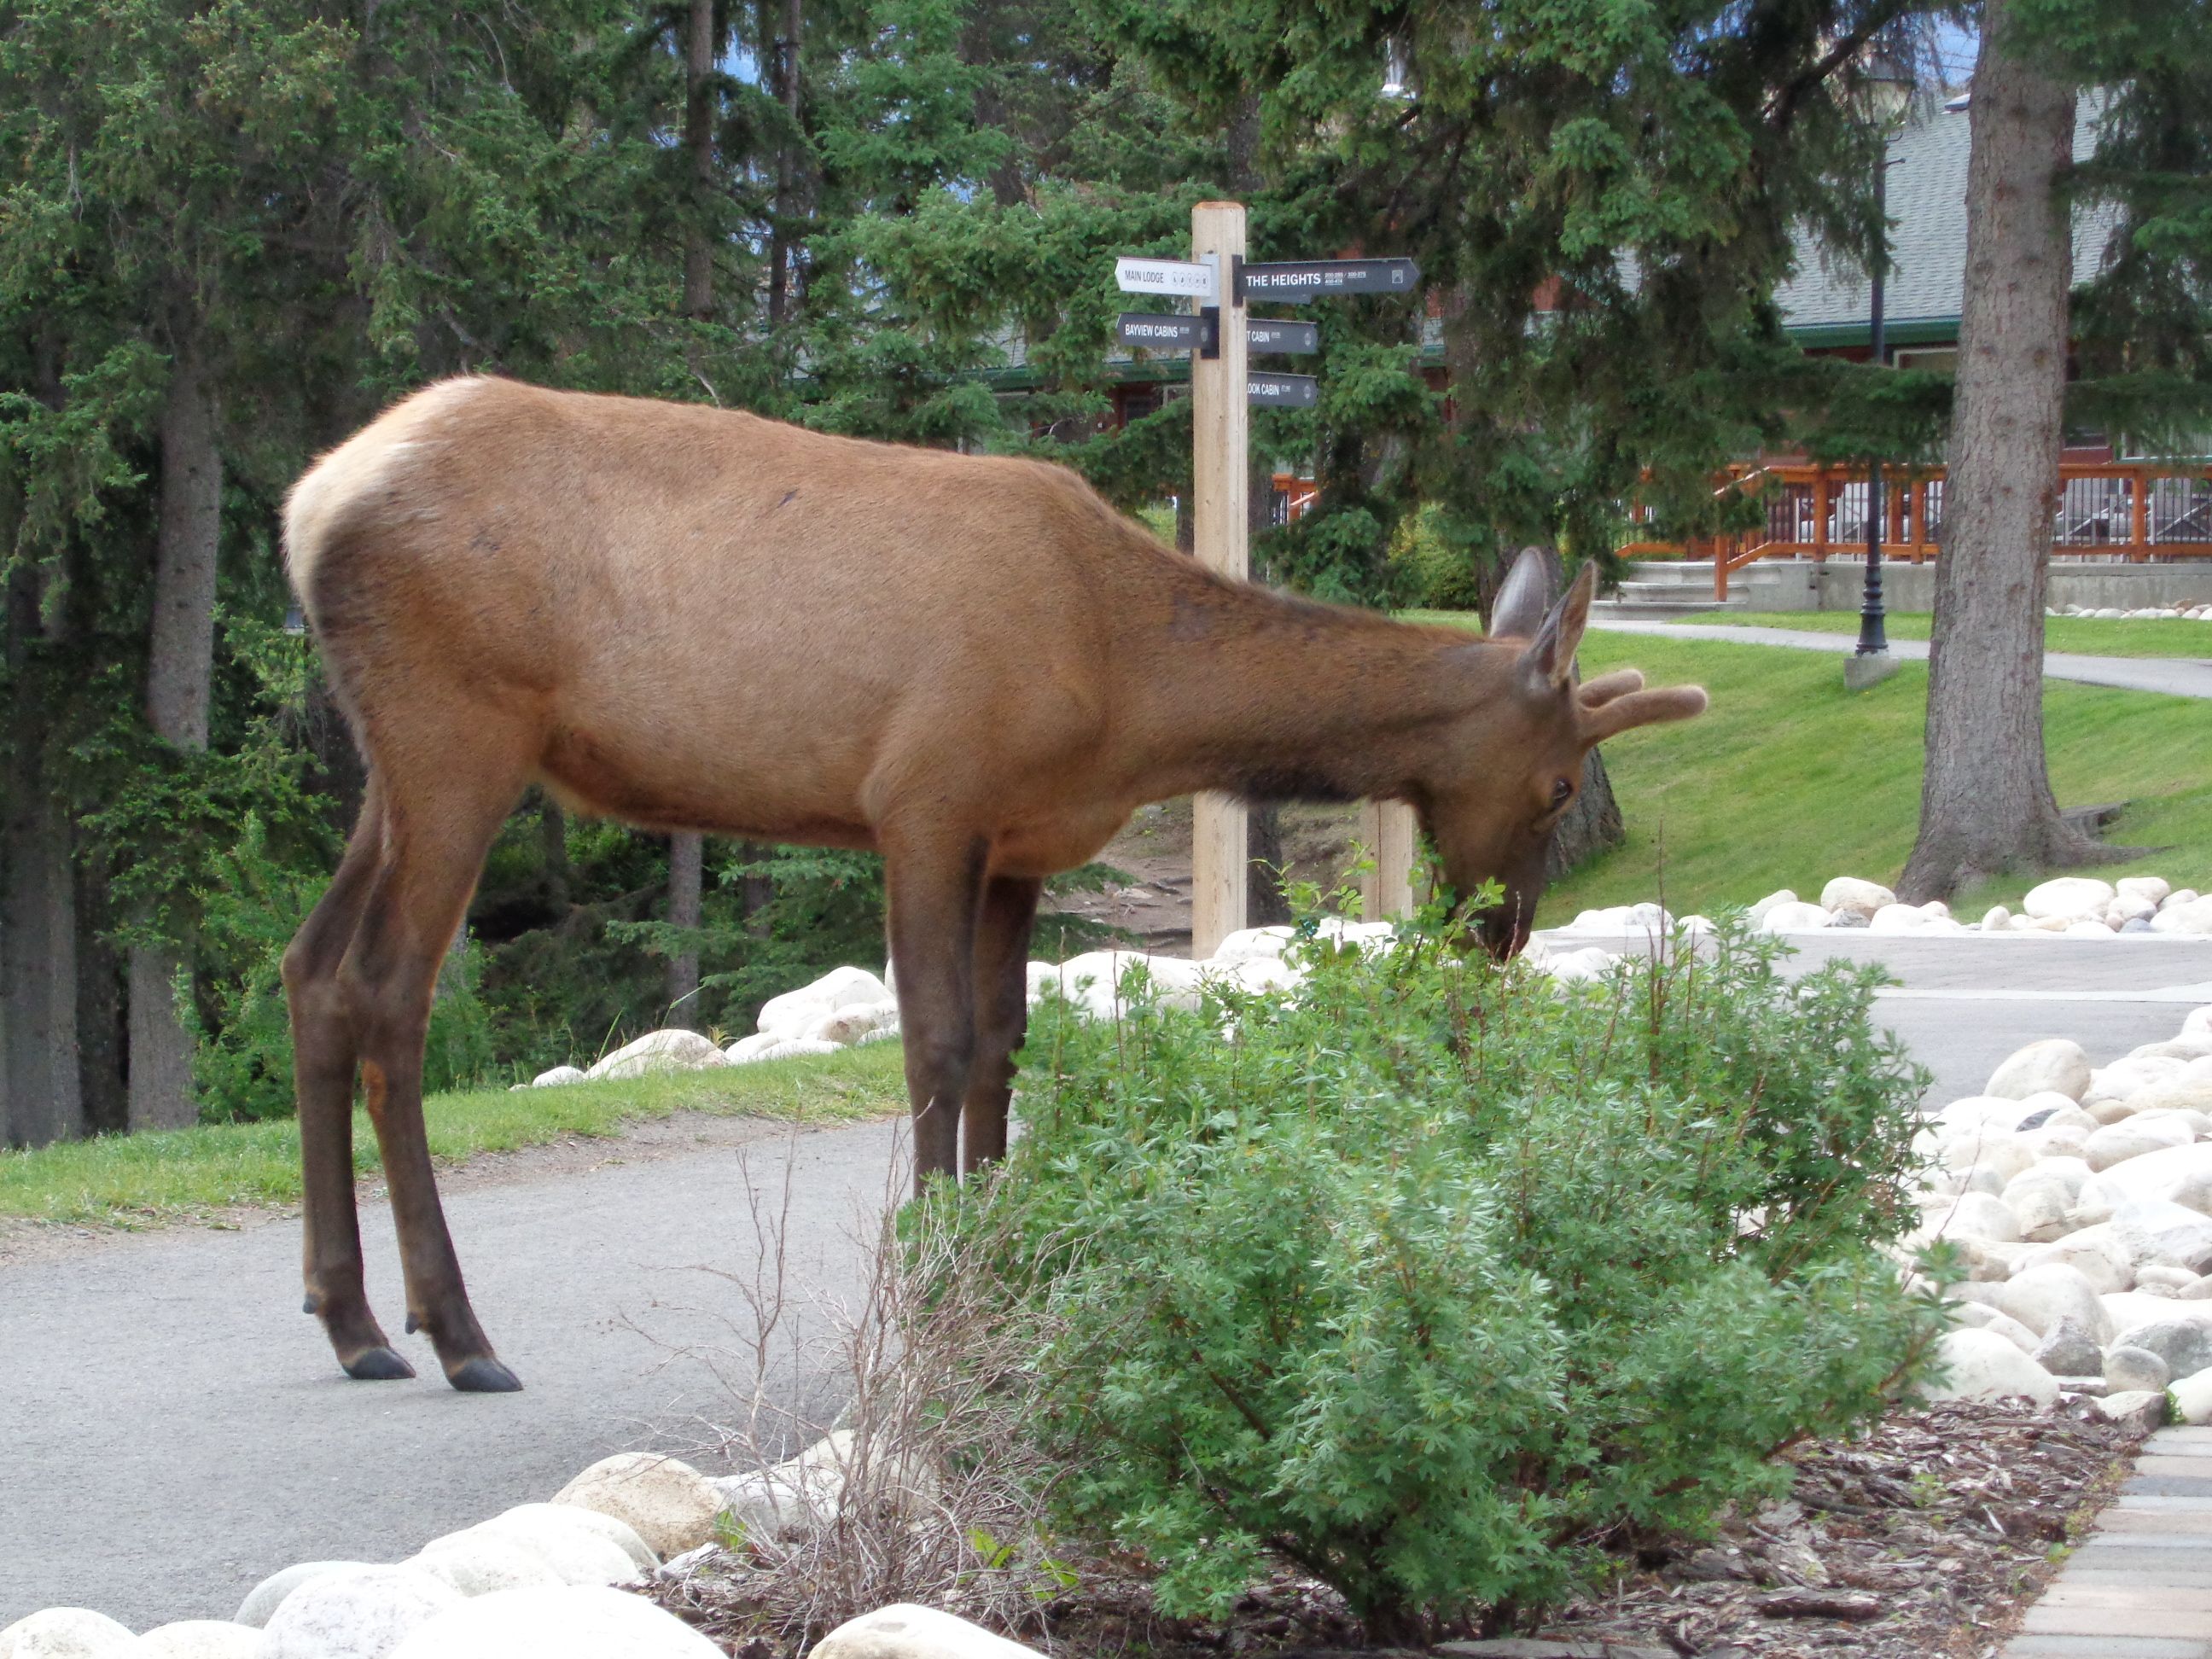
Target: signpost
{"type": "Point", "coordinates": [1220, 338]}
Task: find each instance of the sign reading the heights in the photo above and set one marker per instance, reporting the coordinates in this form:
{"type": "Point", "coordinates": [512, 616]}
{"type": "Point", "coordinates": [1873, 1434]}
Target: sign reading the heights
{"type": "Point", "coordinates": [1312, 279]}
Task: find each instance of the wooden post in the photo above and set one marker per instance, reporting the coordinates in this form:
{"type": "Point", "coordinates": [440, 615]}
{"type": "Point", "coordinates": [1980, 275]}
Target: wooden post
{"type": "Point", "coordinates": [1389, 831]}
{"type": "Point", "coordinates": [1218, 501]}
{"type": "Point", "coordinates": [2139, 513]}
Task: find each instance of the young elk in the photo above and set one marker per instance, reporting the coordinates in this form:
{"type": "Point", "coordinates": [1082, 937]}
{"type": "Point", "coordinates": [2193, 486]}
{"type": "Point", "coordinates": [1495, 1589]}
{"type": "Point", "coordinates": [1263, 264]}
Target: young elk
{"type": "Point", "coordinates": [697, 620]}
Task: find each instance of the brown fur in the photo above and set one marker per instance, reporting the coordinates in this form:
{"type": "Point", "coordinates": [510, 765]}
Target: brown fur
{"type": "Point", "coordinates": [699, 620]}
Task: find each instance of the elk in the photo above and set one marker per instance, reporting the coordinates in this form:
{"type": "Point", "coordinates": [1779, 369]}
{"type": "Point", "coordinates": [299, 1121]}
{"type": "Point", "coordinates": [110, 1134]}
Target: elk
{"type": "Point", "coordinates": [695, 619]}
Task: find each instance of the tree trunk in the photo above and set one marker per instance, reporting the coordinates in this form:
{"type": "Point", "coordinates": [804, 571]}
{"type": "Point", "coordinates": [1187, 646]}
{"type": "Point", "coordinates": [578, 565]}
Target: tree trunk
{"type": "Point", "coordinates": [780, 241]}
{"type": "Point", "coordinates": [1985, 798]}
{"type": "Point", "coordinates": [41, 1100]}
{"type": "Point", "coordinates": [686, 861]}
{"type": "Point", "coordinates": [699, 141]}
{"type": "Point", "coordinates": [103, 1030]}
{"type": "Point", "coordinates": [179, 662]}
{"type": "Point", "coordinates": [1593, 822]}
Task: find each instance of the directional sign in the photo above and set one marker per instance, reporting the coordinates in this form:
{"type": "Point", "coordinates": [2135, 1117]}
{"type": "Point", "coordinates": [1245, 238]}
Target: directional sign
{"type": "Point", "coordinates": [1312, 279]}
{"type": "Point", "coordinates": [1267, 334]}
{"type": "Point", "coordinates": [1168, 334]}
{"type": "Point", "coordinates": [1282, 391]}
{"type": "Point", "coordinates": [1137, 275]}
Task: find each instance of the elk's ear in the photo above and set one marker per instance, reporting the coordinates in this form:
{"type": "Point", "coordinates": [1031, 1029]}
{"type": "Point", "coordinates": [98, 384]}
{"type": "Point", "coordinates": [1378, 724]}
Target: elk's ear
{"type": "Point", "coordinates": [1549, 661]}
{"type": "Point", "coordinates": [1634, 709]}
{"type": "Point", "coordinates": [1518, 609]}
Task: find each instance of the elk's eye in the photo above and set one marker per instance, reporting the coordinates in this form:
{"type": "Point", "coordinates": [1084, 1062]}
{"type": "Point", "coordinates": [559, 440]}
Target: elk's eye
{"type": "Point", "coordinates": [1561, 792]}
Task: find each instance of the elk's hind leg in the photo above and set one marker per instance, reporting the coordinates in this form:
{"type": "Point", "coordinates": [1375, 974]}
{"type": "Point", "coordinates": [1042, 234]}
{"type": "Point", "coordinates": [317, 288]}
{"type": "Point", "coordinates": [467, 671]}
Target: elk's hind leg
{"type": "Point", "coordinates": [1002, 1010]}
{"type": "Point", "coordinates": [437, 830]}
{"type": "Point", "coordinates": [323, 1055]}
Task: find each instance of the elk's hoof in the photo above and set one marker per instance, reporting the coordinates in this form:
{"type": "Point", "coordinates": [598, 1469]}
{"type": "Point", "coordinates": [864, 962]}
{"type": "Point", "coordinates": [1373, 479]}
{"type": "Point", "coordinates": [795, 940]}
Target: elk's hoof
{"type": "Point", "coordinates": [484, 1376]}
{"type": "Point", "coordinates": [377, 1366]}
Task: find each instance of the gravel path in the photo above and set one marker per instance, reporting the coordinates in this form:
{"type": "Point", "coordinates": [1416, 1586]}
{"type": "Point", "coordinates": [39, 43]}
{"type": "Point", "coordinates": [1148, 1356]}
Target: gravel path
{"type": "Point", "coordinates": [2178, 677]}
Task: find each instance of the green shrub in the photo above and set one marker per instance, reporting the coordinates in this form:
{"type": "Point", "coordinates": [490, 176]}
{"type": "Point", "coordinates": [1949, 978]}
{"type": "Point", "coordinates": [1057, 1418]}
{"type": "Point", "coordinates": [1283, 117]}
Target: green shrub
{"type": "Point", "coordinates": [1441, 1278]}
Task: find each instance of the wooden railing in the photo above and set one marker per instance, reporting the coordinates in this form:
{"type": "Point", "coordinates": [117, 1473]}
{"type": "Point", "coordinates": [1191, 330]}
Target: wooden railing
{"type": "Point", "coordinates": [2106, 510]}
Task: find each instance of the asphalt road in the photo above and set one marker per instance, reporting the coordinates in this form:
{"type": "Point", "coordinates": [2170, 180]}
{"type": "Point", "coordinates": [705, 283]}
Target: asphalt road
{"type": "Point", "coordinates": [172, 1429]}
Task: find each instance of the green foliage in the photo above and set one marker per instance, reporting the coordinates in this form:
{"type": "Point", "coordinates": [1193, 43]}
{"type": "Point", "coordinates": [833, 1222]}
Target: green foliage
{"type": "Point", "coordinates": [242, 1053]}
{"type": "Point", "coordinates": [1439, 1278]}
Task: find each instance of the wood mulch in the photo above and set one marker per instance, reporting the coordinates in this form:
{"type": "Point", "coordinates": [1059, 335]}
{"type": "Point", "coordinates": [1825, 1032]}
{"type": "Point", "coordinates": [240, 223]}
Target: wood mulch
{"type": "Point", "coordinates": [1928, 1537]}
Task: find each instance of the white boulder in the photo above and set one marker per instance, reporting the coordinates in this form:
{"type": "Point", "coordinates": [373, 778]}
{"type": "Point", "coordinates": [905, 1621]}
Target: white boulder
{"type": "Point", "coordinates": [667, 1502]}
{"type": "Point", "coordinates": [65, 1633]}
{"type": "Point", "coordinates": [1972, 1215]}
{"type": "Point", "coordinates": [572, 1622]}
{"type": "Point", "coordinates": [483, 1564]}
{"type": "Point", "coordinates": [1848, 893]}
{"type": "Point", "coordinates": [1901, 919]}
{"type": "Point", "coordinates": [2165, 1234]}
{"type": "Point", "coordinates": [1997, 920]}
{"type": "Point", "coordinates": [2184, 1344]}
{"type": "Point", "coordinates": [2040, 1297]}
{"type": "Point", "coordinates": [2132, 1137]}
{"type": "Point", "coordinates": [1794, 918]}
{"type": "Point", "coordinates": [2151, 890]}
{"type": "Point", "coordinates": [1246, 944]}
{"type": "Point", "coordinates": [2093, 1252]}
{"type": "Point", "coordinates": [671, 1050]}
{"type": "Point", "coordinates": [556, 1078]}
{"type": "Point", "coordinates": [199, 1638]}
{"type": "Point", "coordinates": [1982, 1365]}
{"type": "Point", "coordinates": [843, 1027]}
{"type": "Point", "coordinates": [2055, 1064]}
{"type": "Point", "coordinates": [2191, 920]}
{"type": "Point", "coordinates": [2069, 898]}
{"type": "Point", "coordinates": [905, 1631]}
{"type": "Point", "coordinates": [573, 1551]}
{"type": "Point", "coordinates": [2127, 1368]}
{"type": "Point", "coordinates": [264, 1597]}
{"type": "Point", "coordinates": [1756, 914]}
{"type": "Point", "coordinates": [359, 1613]}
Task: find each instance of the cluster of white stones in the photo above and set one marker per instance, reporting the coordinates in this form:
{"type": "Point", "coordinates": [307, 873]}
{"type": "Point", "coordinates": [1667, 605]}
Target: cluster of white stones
{"type": "Point", "coordinates": [2080, 1200]}
{"type": "Point", "coordinates": [848, 1007]}
{"type": "Point", "coordinates": [538, 1581]}
{"type": "Point", "coordinates": [2076, 907]}
{"type": "Point", "coordinates": [2148, 613]}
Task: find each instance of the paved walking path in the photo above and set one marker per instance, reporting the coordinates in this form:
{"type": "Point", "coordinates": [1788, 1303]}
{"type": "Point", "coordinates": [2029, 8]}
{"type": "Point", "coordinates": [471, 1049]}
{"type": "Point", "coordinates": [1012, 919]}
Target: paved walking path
{"type": "Point", "coordinates": [2178, 677]}
{"type": "Point", "coordinates": [2140, 1586]}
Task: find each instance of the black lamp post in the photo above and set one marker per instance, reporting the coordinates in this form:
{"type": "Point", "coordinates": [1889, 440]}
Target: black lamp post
{"type": "Point", "coordinates": [1873, 638]}
{"type": "Point", "coordinates": [1888, 88]}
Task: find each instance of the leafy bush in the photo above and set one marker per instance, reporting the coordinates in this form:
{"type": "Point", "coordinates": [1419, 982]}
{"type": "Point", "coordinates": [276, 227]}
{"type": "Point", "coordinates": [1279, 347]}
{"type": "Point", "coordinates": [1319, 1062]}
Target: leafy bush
{"type": "Point", "coordinates": [1440, 1278]}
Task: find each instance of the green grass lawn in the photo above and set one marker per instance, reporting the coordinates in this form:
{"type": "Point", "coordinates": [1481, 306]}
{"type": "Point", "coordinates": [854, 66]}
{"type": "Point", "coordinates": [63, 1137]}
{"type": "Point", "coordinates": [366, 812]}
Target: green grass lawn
{"type": "Point", "coordinates": [2092, 636]}
{"type": "Point", "coordinates": [1789, 779]}
{"type": "Point", "coordinates": [133, 1179]}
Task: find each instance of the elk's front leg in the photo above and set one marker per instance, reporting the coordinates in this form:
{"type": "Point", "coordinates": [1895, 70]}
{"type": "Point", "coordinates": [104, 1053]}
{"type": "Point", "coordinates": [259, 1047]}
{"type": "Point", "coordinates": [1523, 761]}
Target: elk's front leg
{"type": "Point", "coordinates": [935, 886]}
{"type": "Point", "coordinates": [1002, 1012]}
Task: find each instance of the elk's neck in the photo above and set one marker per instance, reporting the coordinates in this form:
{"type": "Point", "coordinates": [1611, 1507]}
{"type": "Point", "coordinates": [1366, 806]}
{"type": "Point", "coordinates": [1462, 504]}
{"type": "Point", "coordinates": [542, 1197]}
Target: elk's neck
{"type": "Point", "coordinates": [1224, 686]}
